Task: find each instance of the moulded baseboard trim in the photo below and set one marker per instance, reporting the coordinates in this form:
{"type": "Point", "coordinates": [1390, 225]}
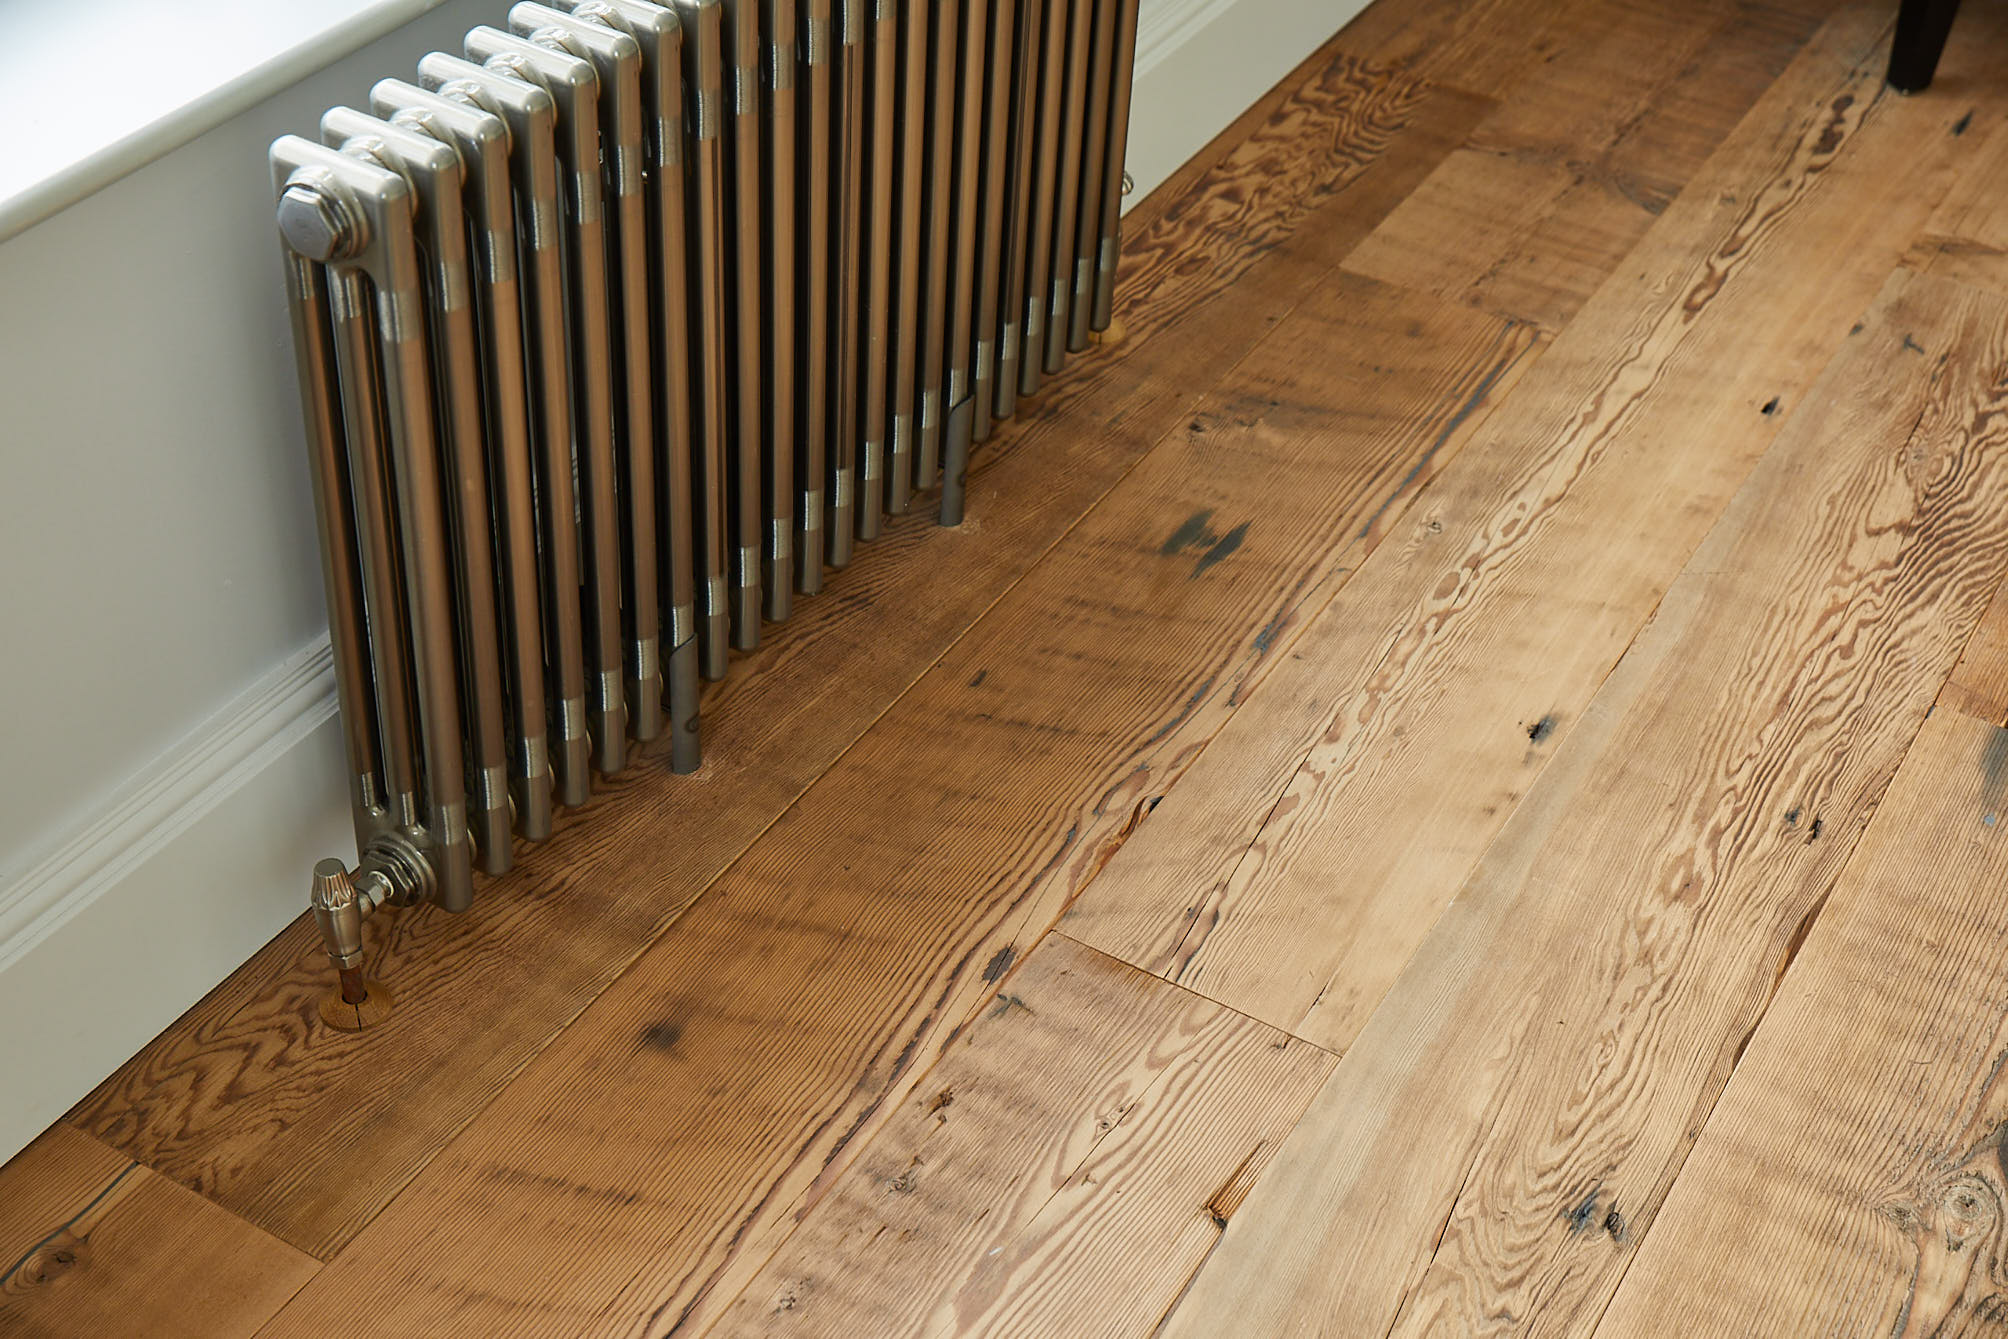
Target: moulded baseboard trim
{"type": "Point", "coordinates": [185, 873]}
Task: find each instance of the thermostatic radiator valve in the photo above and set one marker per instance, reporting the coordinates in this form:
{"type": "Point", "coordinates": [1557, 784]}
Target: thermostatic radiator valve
{"type": "Point", "coordinates": [390, 870]}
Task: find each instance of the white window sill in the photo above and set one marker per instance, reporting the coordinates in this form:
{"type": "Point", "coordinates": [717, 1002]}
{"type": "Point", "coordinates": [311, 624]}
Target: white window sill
{"type": "Point", "coordinates": [91, 91]}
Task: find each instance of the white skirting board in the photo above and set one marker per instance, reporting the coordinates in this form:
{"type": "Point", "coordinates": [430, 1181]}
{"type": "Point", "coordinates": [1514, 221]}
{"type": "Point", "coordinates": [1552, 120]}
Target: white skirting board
{"type": "Point", "coordinates": [1201, 63]}
{"type": "Point", "coordinates": [190, 869]}
{"type": "Point", "coordinates": [126, 921]}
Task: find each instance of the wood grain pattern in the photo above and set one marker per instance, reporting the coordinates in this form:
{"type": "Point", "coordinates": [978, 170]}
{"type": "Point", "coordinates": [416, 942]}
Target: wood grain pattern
{"type": "Point", "coordinates": [1979, 683]}
{"type": "Point", "coordinates": [1857, 1152]}
{"type": "Point", "coordinates": [1510, 1119]}
{"type": "Point", "coordinates": [95, 1245]}
{"type": "Point", "coordinates": [250, 1100]}
{"type": "Point", "coordinates": [1484, 46]}
{"type": "Point", "coordinates": [846, 1094]}
{"type": "Point", "coordinates": [1423, 704]}
{"type": "Point", "coordinates": [797, 1004]}
{"type": "Point", "coordinates": [1967, 237]}
{"type": "Point", "coordinates": [1561, 182]}
{"type": "Point", "coordinates": [1084, 1141]}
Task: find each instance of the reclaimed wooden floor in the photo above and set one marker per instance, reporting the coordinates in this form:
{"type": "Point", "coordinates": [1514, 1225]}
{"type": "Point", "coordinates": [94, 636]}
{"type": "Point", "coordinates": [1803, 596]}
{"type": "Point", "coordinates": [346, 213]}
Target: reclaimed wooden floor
{"type": "Point", "coordinates": [1454, 783]}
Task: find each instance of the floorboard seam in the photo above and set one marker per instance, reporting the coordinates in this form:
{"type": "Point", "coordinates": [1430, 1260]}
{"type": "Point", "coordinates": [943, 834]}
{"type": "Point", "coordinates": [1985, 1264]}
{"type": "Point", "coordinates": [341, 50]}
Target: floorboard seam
{"type": "Point", "coordinates": [1535, 348]}
{"type": "Point", "coordinates": [1183, 989]}
{"type": "Point", "coordinates": [65, 1226]}
{"type": "Point", "coordinates": [920, 1074]}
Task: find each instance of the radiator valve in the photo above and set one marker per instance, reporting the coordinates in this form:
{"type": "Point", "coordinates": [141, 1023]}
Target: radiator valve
{"type": "Point", "coordinates": [340, 901]}
{"type": "Point", "coordinates": [387, 872]}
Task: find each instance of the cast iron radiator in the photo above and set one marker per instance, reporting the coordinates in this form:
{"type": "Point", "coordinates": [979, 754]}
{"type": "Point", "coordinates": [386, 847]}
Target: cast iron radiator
{"type": "Point", "coordinates": [617, 329]}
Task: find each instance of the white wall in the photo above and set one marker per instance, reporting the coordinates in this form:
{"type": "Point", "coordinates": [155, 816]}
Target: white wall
{"type": "Point", "coordinates": [171, 768]}
{"type": "Point", "coordinates": [160, 586]}
{"type": "Point", "coordinates": [1201, 63]}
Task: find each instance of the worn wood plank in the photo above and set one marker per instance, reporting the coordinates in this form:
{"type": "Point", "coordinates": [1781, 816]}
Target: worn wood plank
{"type": "Point", "coordinates": [799, 1001]}
{"type": "Point", "coordinates": [1559, 184]}
{"type": "Point", "coordinates": [1063, 1170]}
{"type": "Point", "coordinates": [1967, 237]}
{"type": "Point", "coordinates": [1752, 43]}
{"type": "Point", "coordinates": [1506, 1127]}
{"type": "Point", "coordinates": [1484, 46]}
{"type": "Point", "coordinates": [1979, 683]}
{"type": "Point", "coordinates": [252, 1101]}
{"type": "Point", "coordinates": [1857, 1152]}
{"type": "Point", "coordinates": [95, 1244]}
{"type": "Point", "coordinates": [1425, 701]}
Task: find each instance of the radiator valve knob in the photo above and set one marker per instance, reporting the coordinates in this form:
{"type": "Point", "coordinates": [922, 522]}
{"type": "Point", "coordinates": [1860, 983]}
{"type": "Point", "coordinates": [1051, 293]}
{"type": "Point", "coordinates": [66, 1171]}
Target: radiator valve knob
{"type": "Point", "coordinates": [338, 912]}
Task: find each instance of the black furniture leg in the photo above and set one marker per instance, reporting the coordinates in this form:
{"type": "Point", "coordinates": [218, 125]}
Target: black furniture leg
{"type": "Point", "coordinates": [1921, 26]}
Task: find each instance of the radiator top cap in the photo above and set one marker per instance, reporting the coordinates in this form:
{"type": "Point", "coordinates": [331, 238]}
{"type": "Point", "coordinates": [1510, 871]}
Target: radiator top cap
{"type": "Point", "coordinates": [314, 223]}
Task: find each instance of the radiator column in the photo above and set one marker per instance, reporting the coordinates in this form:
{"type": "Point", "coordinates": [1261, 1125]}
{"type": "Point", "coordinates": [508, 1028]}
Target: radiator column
{"type": "Point", "coordinates": [959, 428]}
{"type": "Point", "coordinates": [815, 262]}
{"type": "Point", "coordinates": [846, 320]}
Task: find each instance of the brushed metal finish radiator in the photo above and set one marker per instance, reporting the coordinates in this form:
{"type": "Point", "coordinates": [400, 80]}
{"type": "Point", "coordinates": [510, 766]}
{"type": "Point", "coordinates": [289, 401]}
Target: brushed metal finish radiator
{"type": "Point", "coordinates": [620, 327]}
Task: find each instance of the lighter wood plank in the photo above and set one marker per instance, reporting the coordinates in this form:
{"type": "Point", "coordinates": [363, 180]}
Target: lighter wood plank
{"type": "Point", "coordinates": [307, 1133]}
{"type": "Point", "coordinates": [1064, 1169]}
{"type": "Point", "coordinates": [1426, 700]}
{"type": "Point", "coordinates": [1979, 684]}
{"type": "Point", "coordinates": [1507, 1125]}
{"type": "Point", "coordinates": [96, 1245]}
{"type": "Point", "coordinates": [668, 1147]}
{"type": "Point", "coordinates": [1967, 237]}
{"type": "Point", "coordinates": [1857, 1151]}
{"type": "Point", "coordinates": [1561, 182]}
